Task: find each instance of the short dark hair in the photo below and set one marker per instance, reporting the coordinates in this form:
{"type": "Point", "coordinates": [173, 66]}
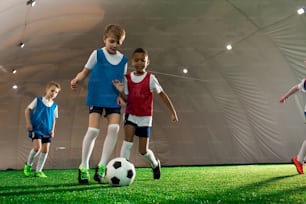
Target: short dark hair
{"type": "Point", "coordinates": [141, 50]}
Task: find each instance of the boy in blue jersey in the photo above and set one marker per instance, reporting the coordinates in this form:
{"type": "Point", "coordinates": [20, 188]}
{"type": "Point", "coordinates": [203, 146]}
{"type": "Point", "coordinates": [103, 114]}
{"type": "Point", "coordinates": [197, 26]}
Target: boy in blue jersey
{"type": "Point", "coordinates": [40, 117]}
{"type": "Point", "coordinates": [103, 66]}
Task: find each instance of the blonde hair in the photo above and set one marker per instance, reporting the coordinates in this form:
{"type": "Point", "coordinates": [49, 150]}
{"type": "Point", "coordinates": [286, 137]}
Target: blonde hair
{"type": "Point", "coordinates": [115, 30]}
{"type": "Point", "coordinates": [53, 83]}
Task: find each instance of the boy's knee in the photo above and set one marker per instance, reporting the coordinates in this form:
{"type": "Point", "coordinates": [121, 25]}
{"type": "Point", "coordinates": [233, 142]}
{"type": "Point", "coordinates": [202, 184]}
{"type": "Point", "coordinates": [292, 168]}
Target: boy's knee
{"type": "Point", "coordinates": [142, 152]}
{"type": "Point", "coordinates": [113, 128]}
{"type": "Point", "coordinates": [36, 149]}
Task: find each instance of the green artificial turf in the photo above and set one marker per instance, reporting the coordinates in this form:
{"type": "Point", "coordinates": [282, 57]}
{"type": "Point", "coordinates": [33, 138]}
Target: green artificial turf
{"type": "Point", "coordinates": [207, 184]}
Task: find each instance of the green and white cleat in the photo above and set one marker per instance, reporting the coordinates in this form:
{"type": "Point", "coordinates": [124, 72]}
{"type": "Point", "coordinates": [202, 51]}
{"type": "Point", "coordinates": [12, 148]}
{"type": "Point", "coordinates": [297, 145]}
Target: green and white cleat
{"type": "Point", "coordinates": [100, 173]}
{"type": "Point", "coordinates": [83, 176]}
{"type": "Point", "coordinates": [27, 170]}
{"type": "Point", "coordinates": [40, 174]}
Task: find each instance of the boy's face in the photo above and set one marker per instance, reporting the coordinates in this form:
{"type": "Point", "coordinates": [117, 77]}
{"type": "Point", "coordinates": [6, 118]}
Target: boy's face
{"type": "Point", "coordinates": [140, 61]}
{"type": "Point", "coordinates": [52, 92]}
{"type": "Point", "coordinates": [112, 44]}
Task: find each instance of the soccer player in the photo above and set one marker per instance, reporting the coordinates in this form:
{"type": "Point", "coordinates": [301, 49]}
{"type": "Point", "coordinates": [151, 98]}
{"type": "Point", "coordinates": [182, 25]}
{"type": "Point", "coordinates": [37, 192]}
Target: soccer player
{"type": "Point", "coordinates": [40, 117]}
{"type": "Point", "coordinates": [137, 90]}
{"type": "Point", "coordinates": [103, 66]}
{"type": "Point", "coordinates": [297, 160]}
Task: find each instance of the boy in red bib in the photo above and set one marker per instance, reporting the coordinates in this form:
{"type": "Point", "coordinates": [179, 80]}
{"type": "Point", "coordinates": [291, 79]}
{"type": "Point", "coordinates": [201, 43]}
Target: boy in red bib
{"type": "Point", "coordinates": [138, 90]}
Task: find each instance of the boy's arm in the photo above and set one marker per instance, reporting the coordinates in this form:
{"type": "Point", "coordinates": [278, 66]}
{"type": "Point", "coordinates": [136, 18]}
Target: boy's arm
{"type": "Point", "coordinates": [27, 119]}
{"type": "Point", "coordinates": [79, 77]}
{"type": "Point", "coordinates": [120, 88]}
{"type": "Point", "coordinates": [164, 97]}
{"type": "Point", "coordinates": [291, 91]}
{"type": "Point", "coordinates": [52, 131]}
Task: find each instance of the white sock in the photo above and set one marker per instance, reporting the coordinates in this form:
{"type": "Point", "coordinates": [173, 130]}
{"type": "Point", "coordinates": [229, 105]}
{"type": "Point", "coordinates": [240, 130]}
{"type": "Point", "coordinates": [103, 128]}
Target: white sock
{"type": "Point", "coordinates": [151, 158]}
{"type": "Point", "coordinates": [88, 145]}
{"type": "Point", "coordinates": [41, 161]}
{"type": "Point", "coordinates": [109, 143]}
{"type": "Point", "coordinates": [126, 149]}
{"type": "Point", "coordinates": [32, 156]}
{"type": "Point", "coordinates": [302, 153]}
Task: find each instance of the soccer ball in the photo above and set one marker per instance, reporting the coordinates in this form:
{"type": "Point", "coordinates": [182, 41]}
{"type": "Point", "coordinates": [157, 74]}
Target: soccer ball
{"type": "Point", "coordinates": [120, 172]}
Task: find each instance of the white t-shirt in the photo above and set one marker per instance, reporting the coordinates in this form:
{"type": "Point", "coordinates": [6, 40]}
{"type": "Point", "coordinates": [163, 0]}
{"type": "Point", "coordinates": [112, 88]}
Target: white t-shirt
{"type": "Point", "coordinates": [301, 85]}
{"type": "Point", "coordinates": [154, 87]}
{"type": "Point", "coordinates": [302, 88]}
{"type": "Point", "coordinates": [47, 103]}
{"type": "Point", "coordinates": [113, 59]}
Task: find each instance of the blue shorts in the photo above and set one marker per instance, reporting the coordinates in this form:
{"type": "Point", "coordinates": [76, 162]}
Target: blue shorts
{"type": "Point", "coordinates": [35, 136]}
{"type": "Point", "coordinates": [143, 131]}
{"type": "Point", "coordinates": [108, 111]}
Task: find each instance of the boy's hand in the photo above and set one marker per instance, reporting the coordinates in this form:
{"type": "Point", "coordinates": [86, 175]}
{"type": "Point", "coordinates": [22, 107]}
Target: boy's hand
{"type": "Point", "coordinates": [283, 99]}
{"type": "Point", "coordinates": [74, 83]}
{"type": "Point", "coordinates": [174, 118]}
{"type": "Point", "coordinates": [118, 85]}
{"type": "Point", "coordinates": [52, 134]}
{"type": "Point", "coordinates": [29, 127]}
{"type": "Point", "coordinates": [121, 102]}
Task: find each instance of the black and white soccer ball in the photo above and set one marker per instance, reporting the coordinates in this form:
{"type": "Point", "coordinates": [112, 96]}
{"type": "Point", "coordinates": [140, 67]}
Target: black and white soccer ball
{"type": "Point", "coordinates": [120, 172]}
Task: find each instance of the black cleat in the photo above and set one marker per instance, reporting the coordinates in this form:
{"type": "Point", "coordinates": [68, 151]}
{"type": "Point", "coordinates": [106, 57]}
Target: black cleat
{"type": "Point", "coordinates": [83, 176]}
{"type": "Point", "coordinates": [156, 171]}
{"type": "Point", "coordinates": [100, 173]}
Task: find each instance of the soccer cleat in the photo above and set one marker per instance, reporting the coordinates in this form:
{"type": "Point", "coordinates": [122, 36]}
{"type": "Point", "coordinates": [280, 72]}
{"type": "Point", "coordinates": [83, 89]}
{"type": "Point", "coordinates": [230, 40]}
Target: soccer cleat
{"type": "Point", "coordinates": [100, 173]}
{"type": "Point", "coordinates": [83, 176]}
{"type": "Point", "coordinates": [298, 165]}
{"type": "Point", "coordinates": [156, 171]}
{"type": "Point", "coordinates": [40, 174]}
{"type": "Point", "coordinates": [27, 170]}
